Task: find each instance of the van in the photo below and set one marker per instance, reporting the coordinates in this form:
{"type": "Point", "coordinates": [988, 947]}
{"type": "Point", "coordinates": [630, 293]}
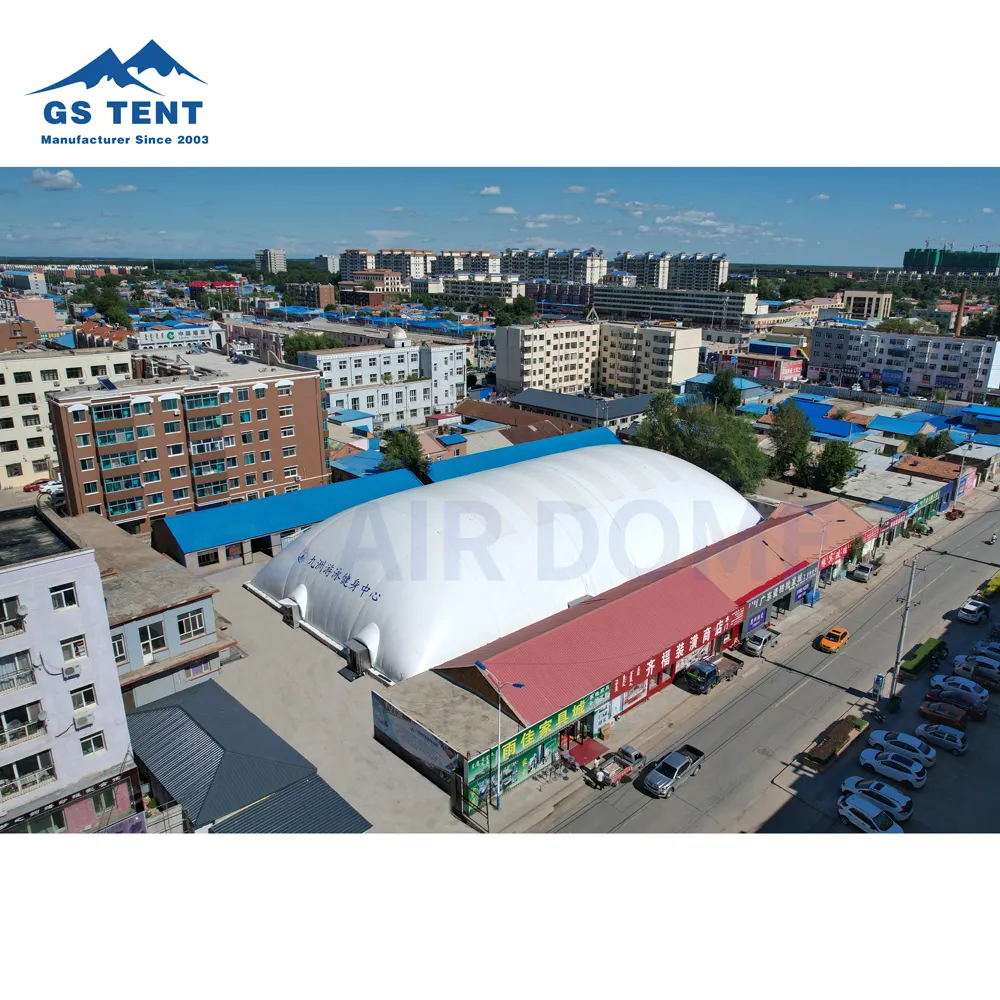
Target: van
{"type": "Point", "coordinates": [755, 643]}
{"type": "Point", "coordinates": [862, 572]}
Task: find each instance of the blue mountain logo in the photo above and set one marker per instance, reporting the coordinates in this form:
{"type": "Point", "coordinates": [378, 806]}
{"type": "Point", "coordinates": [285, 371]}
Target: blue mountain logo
{"type": "Point", "coordinates": [107, 66]}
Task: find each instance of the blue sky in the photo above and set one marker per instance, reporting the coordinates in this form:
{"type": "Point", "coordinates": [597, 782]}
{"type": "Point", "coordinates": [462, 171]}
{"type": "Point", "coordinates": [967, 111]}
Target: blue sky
{"type": "Point", "coordinates": [781, 215]}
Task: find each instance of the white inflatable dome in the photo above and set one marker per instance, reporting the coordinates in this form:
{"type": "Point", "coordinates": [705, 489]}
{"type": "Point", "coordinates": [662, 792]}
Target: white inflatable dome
{"type": "Point", "coordinates": [426, 575]}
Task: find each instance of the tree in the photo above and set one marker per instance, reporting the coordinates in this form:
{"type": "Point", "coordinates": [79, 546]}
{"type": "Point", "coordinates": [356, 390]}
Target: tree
{"type": "Point", "coordinates": [401, 450]}
{"type": "Point", "coordinates": [791, 433]}
{"type": "Point", "coordinates": [471, 381]}
{"type": "Point", "coordinates": [930, 447]}
{"type": "Point", "coordinates": [306, 342]}
{"type": "Point", "coordinates": [833, 465]}
{"type": "Point", "coordinates": [896, 324]}
{"type": "Point", "coordinates": [722, 390]}
{"type": "Point", "coordinates": [330, 308]}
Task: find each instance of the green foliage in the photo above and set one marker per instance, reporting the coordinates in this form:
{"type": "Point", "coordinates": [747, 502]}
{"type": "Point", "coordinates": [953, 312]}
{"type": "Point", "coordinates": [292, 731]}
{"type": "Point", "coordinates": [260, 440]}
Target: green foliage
{"type": "Point", "coordinates": [401, 450]}
{"type": "Point", "coordinates": [306, 342]}
{"type": "Point", "coordinates": [723, 391]}
{"type": "Point", "coordinates": [791, 432]}
{"type": "Point", "coordinates": [471, 381]}
{"type": "Point", "coordinates": [930, 447]}
{"type": "Point", "coordinates": [715, 441]}
{"type": "Point", "coordinates": [897, 324]}
{"type": "Point", "coordinates": [833, 465]}
{"type": "Point", "coordinates": [986, 324]}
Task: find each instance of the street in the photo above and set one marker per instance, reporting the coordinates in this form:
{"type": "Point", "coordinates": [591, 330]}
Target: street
{"type": "Point", "coordinates": [756, 728]}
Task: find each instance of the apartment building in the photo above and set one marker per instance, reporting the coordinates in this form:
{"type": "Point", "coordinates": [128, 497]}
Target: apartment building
{"type": "Point", "coordinates": [867, 305]}
{"type": "Point", "coordinates": [640, 358]}
{"type": "Point", "coordinates": [715, 309]}
{"type": "Point", "coordinates": [355, 260]}
{"type": "Point", "coordinates": [27, 445]}
{"type": "Point", "coordinates": [310, 294]}
{"type": "Point", "coordinates": [560, 356]}
{"type": "Point", "coordinates": [31, 308]}
{"type": "Point", "coordinates": [693, 272]}
{"type": "Point", "coordinates": [469, 261]}
{"type": "Point", "coordinates": [401, 383]}
{"type": "Point", "coordinates": [966, 367]}
{"type": "Point", "coordinates": [270, 261]}
{"type": "Point", "coordinates": [16, 333]}
{"type": "Point", "coordinates": [326, 262]}
{"type": "Point", "coordinates": [187, 434]}
{"type": "Point", "coordinates": [64, 742]}
{"type": "Point", "coordinates": [585, 266]}
{"type": "Point", "coordinates": [471, 287]}
{"type": "Point", "coordinates": [408, 263]}
{"type": "Point", "coordinates": [382, 279]}
{"type": "Point", "coordinates": [25, 281]}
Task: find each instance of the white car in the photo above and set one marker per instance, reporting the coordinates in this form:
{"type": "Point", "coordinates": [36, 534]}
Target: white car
{"type": "Point", "coordinates": [856, 810]}
{"type": "Point", "coordinates": [988, 647]}
{"type": "Point", "coordinates": [962, 684]}
{"type": "Point", "coordinates": [886, 797]}
{"type": "Point", "coordinates": [967, 666]}
{"type": "Point", "coordinates": [953, 740]}
{"type": "Point", "coordinates": [894, 765]}
{"type": "Point", "coordinates": [856, 387]}
{"type": "Point", "coordinates": [52, 487]}
{"type": "Point", "coordinates": [973, 612]}
{"type": "Point", "coordinates": [905, 744]}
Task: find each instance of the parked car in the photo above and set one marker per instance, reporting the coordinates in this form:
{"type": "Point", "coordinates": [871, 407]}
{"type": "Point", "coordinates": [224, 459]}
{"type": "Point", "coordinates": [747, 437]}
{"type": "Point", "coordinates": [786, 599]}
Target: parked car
{"type": "Point", "coordinates": [988, 647]}
{"type": "Point", "coordinates": [863, 572]}
{"type": "Point", "coordinates": [51, 486]}
{"type": "Point", "coordinates": [673, 770]}
{"type": "Point", "coordinates": [904, 743]}
{"type": "Point", "coordinates": [977, 665]}
{"type": "Point", "coordinates": [968, 703]}
{"type": "Point", "coordinates": [895, 766]}
{"type": "Point", "coordinates": [953, 740]}
{"type": "Point", "coordinates": [624, 762]}
{"type": "Point", "coordinates": [755, 643]}
{"type": "Point", "coordinates": [702, 676]}
{"type": "Point", "coordinates": [974, 612]}
{"type": "Point", "coordinates": [888, 798]}
{"type": "Point", "coordinates": [954, 683]}
{"type": "Point", "coordinates": [855, 810]}
{"type": "Point", "coordinates": [939, 711]}
{"type": "Point", "coordinates": [36, 485]}
{"type": "Point", "coordinates": [834, 639]}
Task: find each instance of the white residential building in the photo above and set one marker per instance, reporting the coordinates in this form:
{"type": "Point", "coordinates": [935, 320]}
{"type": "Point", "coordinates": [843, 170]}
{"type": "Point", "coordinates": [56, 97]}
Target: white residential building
{"type": "Point", "coordinates": [639, 358]}
{"type": "Point", "coordinates": [64, 742]}
{"type": "Point", "coordinates": [471, 286]}
{"type": "Point", "coordinates": [586, 267]}
{"type": "Point", "coordinates": [409, 263]}
{"type": "Point", "coordinates": [867, 305]}
{"type": "Point", "coordinates": [27, 447]}
{"type": "Point", "coordinates": [557, 356]}
{"type": "Point", "coordinates": [473, 261]}
{"type": "Point", "coordinates": [715, 309]}
{"type": "Point", "coordinates": [355, 260]}
{"type": "Point", "coordinates": [326, 262]}
{"type": "Point", "coordinates": [25, 281]}
{"type": "Point", "coordinates": [694, 272]}
{"type": "Point", "coordinates": [270, 261]}
{"type": "Point", "coordinates": [400, 382]}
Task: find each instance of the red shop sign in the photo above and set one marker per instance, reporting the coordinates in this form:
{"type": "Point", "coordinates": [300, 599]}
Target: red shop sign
{"type": "Point", "coordinates": [835, 556]}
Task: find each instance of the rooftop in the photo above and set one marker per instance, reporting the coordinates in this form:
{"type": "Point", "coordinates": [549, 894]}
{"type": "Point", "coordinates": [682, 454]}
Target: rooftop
{"type": "Point", "coordinates": [583, 406]}
{"type": "Point", "coordinates": [931, 467]}
{"type": "Point", "coordinates": [876, 484]}
{"type": "Point", "coordinates": [25, 536]}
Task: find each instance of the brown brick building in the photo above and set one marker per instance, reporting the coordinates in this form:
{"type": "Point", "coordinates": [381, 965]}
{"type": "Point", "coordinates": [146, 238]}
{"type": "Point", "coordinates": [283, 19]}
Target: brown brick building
{"type": "Point", "coordinates": [15, 333]}
{"type": "Point", "coordinates": [188, 432]}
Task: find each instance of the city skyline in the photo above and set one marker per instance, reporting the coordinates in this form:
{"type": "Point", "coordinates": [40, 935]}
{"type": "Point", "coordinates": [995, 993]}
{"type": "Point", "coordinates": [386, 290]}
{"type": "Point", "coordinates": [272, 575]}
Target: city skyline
{"type": "Point", "coordinates": [807, 216]}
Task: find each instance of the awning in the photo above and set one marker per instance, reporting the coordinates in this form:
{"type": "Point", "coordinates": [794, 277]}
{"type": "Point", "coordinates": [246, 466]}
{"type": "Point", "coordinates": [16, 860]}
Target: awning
{"type": "Point", "coordinates": [76, 407]}
{"type": "Point", "coordinates": [142, 399]}
{"type": "Point", "coordinates": [169, 395]}
{"type": "Point", "coordinates": [282, 382]}
{"type": "Point", "coordinates": [259, 385]}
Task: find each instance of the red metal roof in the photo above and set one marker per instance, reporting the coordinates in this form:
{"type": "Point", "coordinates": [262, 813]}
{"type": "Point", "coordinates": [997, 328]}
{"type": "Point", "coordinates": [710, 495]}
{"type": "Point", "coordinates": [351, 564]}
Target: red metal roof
{"type": "Point", "coordinates": [599, 640]}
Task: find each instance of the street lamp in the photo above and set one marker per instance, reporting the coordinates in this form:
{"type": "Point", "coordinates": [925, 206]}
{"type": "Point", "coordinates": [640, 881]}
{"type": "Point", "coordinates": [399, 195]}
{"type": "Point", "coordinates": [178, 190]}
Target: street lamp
{"type": "Point", "coordinates": [500, 685]}
{"type": "Point", "coordinates": [822, 537]}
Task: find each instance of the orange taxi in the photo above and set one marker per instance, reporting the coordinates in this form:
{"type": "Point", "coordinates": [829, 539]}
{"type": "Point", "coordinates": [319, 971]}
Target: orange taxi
{"type": "Point", "coordinates": [834, 640]}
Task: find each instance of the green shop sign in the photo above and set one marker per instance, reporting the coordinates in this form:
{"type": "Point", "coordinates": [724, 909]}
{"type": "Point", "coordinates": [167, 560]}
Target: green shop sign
{"type": "Point", "coordinates": [533, 735]}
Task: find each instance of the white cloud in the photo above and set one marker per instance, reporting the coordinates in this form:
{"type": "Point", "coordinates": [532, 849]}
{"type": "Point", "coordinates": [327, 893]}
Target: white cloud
{"type": "Point", "coordinates": [61, 180]}
{"type": "Point", "coordinates": [574, 189]}
{"type": "Point", "coordinates": [898, 207]}
{"type": "Point", "coordinates": [569, 220]}
{"type": "Point", "coordinates": [789, 201]}
{"type": "Point", "coordinates": [530, 224]}
{"type": "Point", "coordinates": [463, 218]}
{"type": "Point", "coordinates": [11, 238]}
{"type": "Point", "coordinates": [57, 225]}
{"type": "Point", "coordinates": [692, 217]}
{"type": "Point", "coordinates": [820, 197]}
{"type": "Point", "coordinates": [120, 189]}
{"type": "Point", "coordinates": [644, 229]}
{"type": "Point", "coordinates": [491, 190]}
{"type": "Point", "coordinates": [921, 214]}
{"type": "Point", "coordinates": [606, 194]}
{"type": "Point", "coordinates": [988, 211]}
{"type": "Point", "coordinates": [503, 210]}
{"type": "Point", "coordinates": [601, 201]}
{"type": "Point", "coordinates": [161, 232]}
{"type": "Point", "coordinates": [386, 235]}
{"type": "Point", "coordinates": [397, 208]}
{"type": "Point", "coordinates": [616, 232]}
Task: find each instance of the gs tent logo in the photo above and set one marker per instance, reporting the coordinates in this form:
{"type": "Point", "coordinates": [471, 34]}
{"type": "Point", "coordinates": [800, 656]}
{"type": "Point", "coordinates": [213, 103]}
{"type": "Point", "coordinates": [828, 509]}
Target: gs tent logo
{"type": "Point", "coordinates": [151, 70]}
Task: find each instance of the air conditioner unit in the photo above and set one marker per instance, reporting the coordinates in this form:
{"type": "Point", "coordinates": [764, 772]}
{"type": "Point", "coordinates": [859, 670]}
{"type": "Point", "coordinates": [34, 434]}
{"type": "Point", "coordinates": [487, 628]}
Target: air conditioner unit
{"type": "Point", "coordinates": [147, 659]}
{"type": "Point", "coordinates": [290, 612]}
{"type": "Point", "coordinates": [71, 671]}
{"type": "Point", "coordinates": [83, 719]}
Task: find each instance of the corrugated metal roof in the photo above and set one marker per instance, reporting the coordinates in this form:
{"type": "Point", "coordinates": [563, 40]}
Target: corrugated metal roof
{"type": "Point", "coordinates": [896, 425]}
{"type": "Point", "coordinates": [583, 406]}
{"type": "Point", "coordinates": [210, 753]}
{"type": "Point", "coordinates": [204, 529]}
{"type": "Point", "coordinates": [308, 806]}
{"type": "Point", "coordinates": [467, 464]}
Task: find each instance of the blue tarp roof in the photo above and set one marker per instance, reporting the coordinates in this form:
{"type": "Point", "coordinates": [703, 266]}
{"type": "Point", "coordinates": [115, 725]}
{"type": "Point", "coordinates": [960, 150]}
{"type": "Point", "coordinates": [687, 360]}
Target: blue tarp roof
{"type": "Point", "coordinates": [481, 425]}
{"type": "Point", "coordinates": [705, 378]}
{"type": "Point", "coordinates": [467, 464]}
{"type": "Point", "coordinates": [985, 412]}
{"type": "Point", "coordinates": [349, 416]}
{"type": "Point", "coordinates": [450, 439]}
{"type": "Point", "coordinates": [364, 463]}
{"type": "Point", "coordinates": [993, 439]}
{"type": "Point", "coordinates": [896, 425]}
{"type": "Point", "coordinates": [205, 529]}
{"type": "Point", "coordinates": [756, 408]}
{"type": "Point", "coordinates": [66, 340]}
{"type": "Point", "coordinates": [811, 397]}
{"type": "Point", "coordinates": [842, 429]}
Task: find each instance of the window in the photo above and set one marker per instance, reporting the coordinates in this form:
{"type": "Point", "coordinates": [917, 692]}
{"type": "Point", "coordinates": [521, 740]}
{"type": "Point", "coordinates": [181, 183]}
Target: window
{"type": "Point", "coordinates": [244, 416]}
{"type": "Point", "coordinates": [10, 622]}
{"type": "Point", "coordinates": [287, 432]}
{"type": "Point", "coordinates": [211, 489]}
{"type": "Point", "coordinates": [208, 558]}
{"type": "Point", "coordinates": [154, 498]}
{"type": "Point", "coordinates": [151, 477]}
{"type": "Point", "coordinates": [98, 370]}
{"type": "Point", "coordinates": [172, 427]}
{"type": "Point", "coordinates": [178, 471]}
{"type": "Point", "coordinates": [121, 436]}
{"type": "Point", "coordinates": [208, 466]}
{"type": "Point", "coordinates": [94, 509]}
{"type": "Point", "coordinates": [268, 493]}
{"type": "Point", "coordinates": [175, 449]}
{"type": "Point", "coordinates": [129, 506]}
{"type": "Point", "coordinates": [73, 648]}
{"type": "Point", "coordinates": [149, 454]}
{"type": "Point", "coordinates": [243, 394]}
{"type": "Point", "coordinates": [63, 596]}
{"type": "Point", "coordinates": [22, 376]}
{"type": "Point", "coordinates": [291, 472]}
{"type": "Point", "coordinates": [232, 461]}
{"type": "Point", "coordinates": [246, 437]}
{"type": "Point", "coordinates": [151, 638]}
{"type": "Point", "coordinates": [40, 465]}
{"type": "Point", "coordinates": [31, 421]}
{"type": "Point", "coordinates": [90, 488]}
{"type": "Point", "coordinates": [83, 697]}
{"type": "Point", "coordinates": [104, 802]}
{"type": "Point", "coordinates": [262, 414]}
{"type": "Point", "coordinates": [209, 423]}
{"type": "Point", "coordinates": [266, 477]}
{"type": "Point", "coordinates": [74, 373]}
{"type": "Point", "coordinates": [201, 400]}
{"type": "Point", "coordinates": [288, 452]}
{"type": "Point", "coordinates": [50, 375]}
{"type": "Point", "coordinates": [249, 458]}
{"type": "Point", "coordinates": [24, 398]}
{"type": "Point", "coordinates": [285, 411]}
{"type": "Point", "coordinates": [118, 646]}
{"type": "Point", "coordinates": [191, 625]}
{"type": "Point", "coordinates": [260, 393]}
{"type": "Point", "coordinates": [251, 479]}
{"type": "Point", "coordinates": [142, 408]}
{"type": "Point", "coordinates": [92, 744]}
{"type": "Point", "coordinates": [36, 442]}
{"type": "Point", "coordinates": [182, 493]}
{"type": "Point", "coordinates": [234, 484]}
{"type": "Point", "coordinates": [263, 435]}
{"type": "Point", "coordinates": [121, 369]}
{"type": "Point", "coordinates": [112, 411]}
{"type": "Point", "coordinates": [145, 431]}
{"type": "Point", "coordinates": [285, 390]}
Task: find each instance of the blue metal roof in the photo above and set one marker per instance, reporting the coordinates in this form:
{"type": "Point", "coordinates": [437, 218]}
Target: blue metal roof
{"type": "Point", "coordinates": [364, 463]}
{"type": "Point", "coordinates": [986, 412]}
{"type": "Point", "coordinates": [705, 378]}
{"type": "Point", "coordinates": [500, 457]}
{"type": "Point", "coordinates": [450, 439]}
{"type": "Point", "coordinates": [843, 430]}
{"type": "Point", "coordinates": [349, 416]}
{"type": "Point", "coordinates": [811, 397]}
{"type": "Point", "coordinates": [205, 529]}
{"type": "Point", "coordinates": [993, 439]}
{"type": "Point", "coordinates": [757, 408]}
{"type": "Point", "coordinates": [896, 425]}
{"type": "Point", "coordinates": [480, 425]}
{"type": "Point", "coordinates": [814, 411]}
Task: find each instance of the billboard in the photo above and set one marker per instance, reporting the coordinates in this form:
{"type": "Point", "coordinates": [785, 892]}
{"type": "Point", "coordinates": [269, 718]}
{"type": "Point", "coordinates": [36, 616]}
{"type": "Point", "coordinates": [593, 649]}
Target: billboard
{"type": "Point", "coordinates": [411, 736]}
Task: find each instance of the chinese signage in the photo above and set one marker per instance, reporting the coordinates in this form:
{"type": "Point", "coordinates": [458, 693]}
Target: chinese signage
{"type": "Point", "coordinates": [634, 696]}
{"type": "Point", "coordinates": [411, 736]}
{"type": "Point", "coordinates": [527, 738]}
{"type": "Point", "coordinates": [136, 823]}
{"type": "Point", "coordinates": [891, 376]}
{"type": "Point", "coordinates": [947, 382]}
{"type": "Point", "coordinates": [756, 621]}
{"type": "Point", "coordinates": [337, 574]}
{"type": "Point", "coordinates": [893, 521]}
{"type": "Point", "coordinates": [801, 592]}
{"type": "Point", "coordinates": [776, 592]}
{"type": "Point", "coordinates": [835, 555]}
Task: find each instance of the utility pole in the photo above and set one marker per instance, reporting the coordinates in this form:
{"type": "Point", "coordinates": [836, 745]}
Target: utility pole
{"type": "Point", "coordinates": [907, 604]}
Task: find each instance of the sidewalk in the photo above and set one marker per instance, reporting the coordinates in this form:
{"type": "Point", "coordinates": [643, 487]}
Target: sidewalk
{"type": "Point", "coordinates": [529, 804]}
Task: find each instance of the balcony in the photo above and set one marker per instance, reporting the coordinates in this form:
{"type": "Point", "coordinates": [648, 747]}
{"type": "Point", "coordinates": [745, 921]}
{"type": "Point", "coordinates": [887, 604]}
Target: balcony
{"type": "Point", "coordinates": [17, 680]}
{"type": "Point", "coordinates": [26, 774]}
{"type": "Point", "coordinates": [20, 733]}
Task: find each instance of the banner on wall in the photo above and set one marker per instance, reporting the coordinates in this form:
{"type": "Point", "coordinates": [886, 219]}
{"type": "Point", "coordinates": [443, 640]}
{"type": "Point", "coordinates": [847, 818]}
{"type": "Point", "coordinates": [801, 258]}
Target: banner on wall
{"type": "Point", "coordinates": [411, 736]}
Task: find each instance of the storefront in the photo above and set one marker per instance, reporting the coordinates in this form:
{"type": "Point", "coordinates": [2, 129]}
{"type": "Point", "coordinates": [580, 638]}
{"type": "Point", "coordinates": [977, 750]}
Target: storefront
{"type": "Point", "coordinates": [777, 598]}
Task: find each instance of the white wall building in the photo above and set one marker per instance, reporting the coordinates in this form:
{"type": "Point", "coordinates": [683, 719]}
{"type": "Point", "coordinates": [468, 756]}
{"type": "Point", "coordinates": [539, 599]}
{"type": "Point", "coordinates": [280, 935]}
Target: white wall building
{"type": "Point", "coordinates": [867, 305]}
{"type": "Point", "coordinates": [270, 261]}
{"type": "Point", "coordinates": [470, 286]}
{"type": "Point", "coordinates": [25, 281]}
{"type": "Point", "coordinates": [27, 447]}
{"type": "Point", "coordinates": [167, 338]}
{"type": "Point", "coordinates": [558, 356]}
{"type": "Point", "coordinates": [715, 309]}
{"type": "Point", "coordinates": [473, 261]}
{"type": "Point", "coordinates": [62, 720]}
{"type": "Point", "coordinates": [586, 267]}
{"type": "Point", "coordinates": [640, 358]}
{"type": "Point", "coordinates": [409, 263]}
{"type": "Point", "coordinates": [691, 271]}
{"type": "Point", "coordinates": [326, 262]}
{"type": "Point", "coordinates": [355, 260]}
